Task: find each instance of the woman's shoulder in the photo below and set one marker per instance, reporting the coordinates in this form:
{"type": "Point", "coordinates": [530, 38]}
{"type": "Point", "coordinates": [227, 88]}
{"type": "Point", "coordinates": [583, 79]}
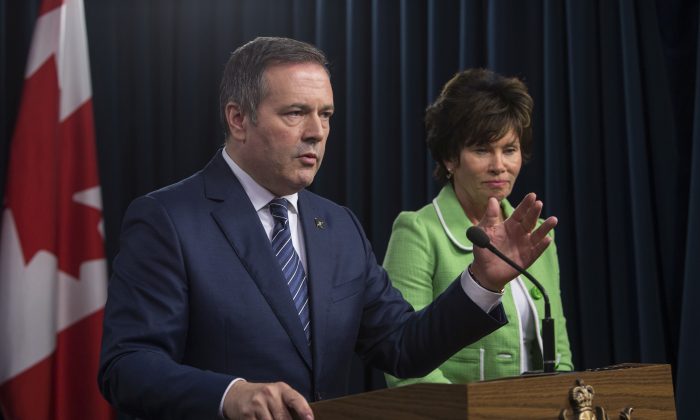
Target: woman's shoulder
{"type": "Point", "coordinates": [423, 217]}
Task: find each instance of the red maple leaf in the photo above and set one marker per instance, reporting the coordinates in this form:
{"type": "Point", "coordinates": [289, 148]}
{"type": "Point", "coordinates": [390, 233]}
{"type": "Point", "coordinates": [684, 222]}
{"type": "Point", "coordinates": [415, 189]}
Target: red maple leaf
{"type": "Point", "coordinates": [50, 161]}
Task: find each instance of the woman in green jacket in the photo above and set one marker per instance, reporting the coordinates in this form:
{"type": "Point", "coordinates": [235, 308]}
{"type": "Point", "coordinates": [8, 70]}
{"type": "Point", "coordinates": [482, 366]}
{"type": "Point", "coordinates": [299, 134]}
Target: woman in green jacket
{"type": "Point", "coordinates": [479, 134]}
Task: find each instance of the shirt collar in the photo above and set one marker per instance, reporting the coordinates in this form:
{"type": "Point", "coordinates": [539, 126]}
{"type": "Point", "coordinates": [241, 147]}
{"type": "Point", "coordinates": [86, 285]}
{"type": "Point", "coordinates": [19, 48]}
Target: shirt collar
{"type": "Point", "coordinates": [259, 196]}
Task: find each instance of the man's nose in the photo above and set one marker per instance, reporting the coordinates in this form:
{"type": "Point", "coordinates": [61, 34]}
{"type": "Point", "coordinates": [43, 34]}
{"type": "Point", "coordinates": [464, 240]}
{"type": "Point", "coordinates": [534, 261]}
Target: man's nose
{"type": "Point", "coordinates": [314, 129]}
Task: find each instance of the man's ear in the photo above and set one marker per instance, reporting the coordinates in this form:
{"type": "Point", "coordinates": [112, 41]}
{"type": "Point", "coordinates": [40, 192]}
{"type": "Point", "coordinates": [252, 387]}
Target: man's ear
{"type": "Point", "coordinates": [236, 121]}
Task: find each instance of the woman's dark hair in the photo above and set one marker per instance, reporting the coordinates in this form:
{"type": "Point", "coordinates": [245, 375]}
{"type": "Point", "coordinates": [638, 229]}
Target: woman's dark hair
{"type": "Point", "coordinates": [477, 107]}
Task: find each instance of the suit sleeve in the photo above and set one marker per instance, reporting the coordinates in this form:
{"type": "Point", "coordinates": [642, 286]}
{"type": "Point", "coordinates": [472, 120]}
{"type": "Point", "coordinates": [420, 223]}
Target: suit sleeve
{"type": "Point", "coordinates": [146, 325]}
{"type": "Point", "coordinates": [404, 343]}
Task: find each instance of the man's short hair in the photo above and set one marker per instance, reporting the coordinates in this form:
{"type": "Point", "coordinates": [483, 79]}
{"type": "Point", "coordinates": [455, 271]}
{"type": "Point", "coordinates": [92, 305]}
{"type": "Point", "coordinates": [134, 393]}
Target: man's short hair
{"type": "Point", "coordinates": [477, 107]}
{"type": "Point", "coordinates": [243, 81]}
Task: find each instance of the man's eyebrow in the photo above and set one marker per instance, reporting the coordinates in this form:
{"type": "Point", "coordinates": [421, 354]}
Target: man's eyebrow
{"type": "Point", "coordinates": [306, 108]}
{"type": "Point", "coordinates": [303, 107]}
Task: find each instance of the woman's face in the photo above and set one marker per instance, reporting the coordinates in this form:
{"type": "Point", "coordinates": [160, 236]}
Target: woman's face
{"type": "Point", "coordinates": [487, 170]}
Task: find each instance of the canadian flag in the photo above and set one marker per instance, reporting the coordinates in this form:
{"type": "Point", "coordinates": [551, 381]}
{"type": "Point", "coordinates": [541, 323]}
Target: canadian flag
{"type": "Point", "coordinates": [53, 274]}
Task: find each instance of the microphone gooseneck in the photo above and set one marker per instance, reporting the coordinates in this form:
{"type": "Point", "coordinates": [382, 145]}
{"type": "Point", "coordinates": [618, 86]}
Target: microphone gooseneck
{"type": "Point", "coordinates": [480, 239]}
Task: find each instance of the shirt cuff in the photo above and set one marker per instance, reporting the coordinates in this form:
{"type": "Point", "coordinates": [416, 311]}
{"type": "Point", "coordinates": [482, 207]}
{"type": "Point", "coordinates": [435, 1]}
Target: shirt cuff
{"type": "Point", "coordinates": [485, 299]}
{"type": "Point", "coordinates": [221, 404]}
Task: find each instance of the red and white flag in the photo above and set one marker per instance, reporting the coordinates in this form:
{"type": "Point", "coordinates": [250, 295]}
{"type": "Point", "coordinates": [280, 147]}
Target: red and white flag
{"type": "Point", "coordinates": [53, 273]}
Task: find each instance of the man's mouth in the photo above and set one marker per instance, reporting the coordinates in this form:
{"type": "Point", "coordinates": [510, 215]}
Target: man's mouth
{"type": "Point", "coordinates": [308, 158]}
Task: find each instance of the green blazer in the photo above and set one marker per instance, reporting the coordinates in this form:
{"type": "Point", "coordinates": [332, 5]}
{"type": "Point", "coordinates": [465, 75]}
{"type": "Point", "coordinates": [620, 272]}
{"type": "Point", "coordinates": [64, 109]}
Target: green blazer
{"type": "Point", "coordinates": [428, 250]}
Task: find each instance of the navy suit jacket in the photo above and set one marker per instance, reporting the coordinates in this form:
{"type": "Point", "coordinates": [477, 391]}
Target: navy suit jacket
{"type": "Point", "coordinates": [197, 298]}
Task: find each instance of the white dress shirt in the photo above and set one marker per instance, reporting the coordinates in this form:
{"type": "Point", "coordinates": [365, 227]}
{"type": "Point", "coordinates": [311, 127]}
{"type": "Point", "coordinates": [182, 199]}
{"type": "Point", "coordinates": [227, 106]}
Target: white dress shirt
{"type": "Point", "coordinates": [528, 328]}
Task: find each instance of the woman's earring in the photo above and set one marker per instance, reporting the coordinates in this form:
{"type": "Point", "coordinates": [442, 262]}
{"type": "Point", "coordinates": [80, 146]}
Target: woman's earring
{"type": "Point", "coordinates": [449, 173]}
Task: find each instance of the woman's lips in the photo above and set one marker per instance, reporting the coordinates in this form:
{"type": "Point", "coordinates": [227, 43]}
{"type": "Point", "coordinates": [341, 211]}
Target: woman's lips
{"type": "Point", "coordinates": [496, 183]}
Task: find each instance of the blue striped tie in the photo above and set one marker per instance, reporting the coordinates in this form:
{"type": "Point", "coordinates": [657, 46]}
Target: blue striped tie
{"type": "Point", "coordinates": [292, 269]}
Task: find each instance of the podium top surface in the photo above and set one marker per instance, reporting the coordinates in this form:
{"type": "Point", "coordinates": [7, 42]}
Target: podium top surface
{"type": "Point", "coordinates": [646, 388]}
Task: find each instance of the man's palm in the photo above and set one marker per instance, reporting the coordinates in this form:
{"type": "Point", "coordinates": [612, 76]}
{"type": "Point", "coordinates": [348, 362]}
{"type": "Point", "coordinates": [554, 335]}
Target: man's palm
{"type": "Point", "coordinates": [515, 238]}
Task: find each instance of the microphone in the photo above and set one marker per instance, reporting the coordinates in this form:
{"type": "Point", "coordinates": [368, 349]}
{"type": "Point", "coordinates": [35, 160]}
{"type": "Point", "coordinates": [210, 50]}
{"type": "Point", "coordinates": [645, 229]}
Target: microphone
{"type": "Point", "coordinates": [479, 238]}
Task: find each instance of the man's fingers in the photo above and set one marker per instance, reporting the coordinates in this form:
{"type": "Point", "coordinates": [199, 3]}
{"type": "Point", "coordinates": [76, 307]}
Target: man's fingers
{"type": "Point", "coordinates": [522, 209]}
{"type": "Point", "coordinates": [524, 217]}
{"type": "Point", "coordinates": [540, 246]}
{"type": "Point", "coordinates": [492, 215]}
{"type": "Point", "coordinates": [264, 401]}
{"type": "Point", "coordinates": [281, 412]}
{"type": "Point", "coordinates": [518, 237]}
{"type": "Point", "coordinates": [541, 232]}
{"type": "Point", "coordinates": [530, 220]}
{"type": "Point", "coordinates": [296, 403]}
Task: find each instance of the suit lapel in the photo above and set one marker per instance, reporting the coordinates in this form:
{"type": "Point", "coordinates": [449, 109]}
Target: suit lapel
{"type": "Point", "coordinates": [239, 222]}
{"type": "Point", "coordinates": [319, 260]}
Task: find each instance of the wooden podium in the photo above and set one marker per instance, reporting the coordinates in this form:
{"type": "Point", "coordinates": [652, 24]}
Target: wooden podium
{"type": "Point", "coordinates": [647, 389]}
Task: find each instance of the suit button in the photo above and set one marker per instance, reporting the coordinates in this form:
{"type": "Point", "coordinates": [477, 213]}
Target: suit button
{"type": "Point", "coordinates": [318, 396]}
{"type": "Point", "coordinates": [535, 293]}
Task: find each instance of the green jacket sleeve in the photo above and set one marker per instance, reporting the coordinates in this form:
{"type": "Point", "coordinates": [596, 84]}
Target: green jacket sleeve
{"type": "Point", "coordinates": [410, 263]}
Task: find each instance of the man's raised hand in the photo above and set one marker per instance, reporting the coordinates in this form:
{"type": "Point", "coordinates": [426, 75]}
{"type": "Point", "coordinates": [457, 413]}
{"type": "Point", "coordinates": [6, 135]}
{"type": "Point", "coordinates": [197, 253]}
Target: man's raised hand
{"type": "Point", "coordinates": [516, 237]}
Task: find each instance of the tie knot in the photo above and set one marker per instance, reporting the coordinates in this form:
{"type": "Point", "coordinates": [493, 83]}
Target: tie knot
{"type": "Point", "coordinates": [278, 208]}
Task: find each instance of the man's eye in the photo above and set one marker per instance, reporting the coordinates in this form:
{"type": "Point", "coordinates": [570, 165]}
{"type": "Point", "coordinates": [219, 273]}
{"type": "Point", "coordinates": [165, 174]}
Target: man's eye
{"type": "Point", "coordinates": [326, 115]}
{"type": "Point", "coordinates": [294, 113]}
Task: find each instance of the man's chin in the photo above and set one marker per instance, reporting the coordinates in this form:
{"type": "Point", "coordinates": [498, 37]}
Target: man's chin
{"type": "Point", "coordinates": [305, 182]}
{"type": "Point", "coordinates": [298, 185]}
{"type": "Point", "coordinates": [306, 176]}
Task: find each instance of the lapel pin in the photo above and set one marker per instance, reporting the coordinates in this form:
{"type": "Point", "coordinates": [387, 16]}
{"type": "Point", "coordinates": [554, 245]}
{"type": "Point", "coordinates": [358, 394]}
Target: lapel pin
{"type": "Point", "coordinates": [320, 223]}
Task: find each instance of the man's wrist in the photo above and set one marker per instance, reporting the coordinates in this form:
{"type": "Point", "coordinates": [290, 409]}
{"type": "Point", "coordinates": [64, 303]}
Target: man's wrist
{"type": "Point", "coordinates": [476, 280]}
{"type": "Point", "coordinates": [222, 411]}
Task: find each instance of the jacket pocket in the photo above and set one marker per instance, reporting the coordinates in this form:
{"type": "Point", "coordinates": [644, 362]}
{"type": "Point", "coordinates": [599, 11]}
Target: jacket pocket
{"type": "Point", "coordinates": [348, 289]}
{"type": "Point", "coordinates": [467, 365]}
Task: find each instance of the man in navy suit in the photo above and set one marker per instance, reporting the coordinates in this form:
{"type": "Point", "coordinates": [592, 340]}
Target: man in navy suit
{"type": "Point", "coordinates": [239, 294]}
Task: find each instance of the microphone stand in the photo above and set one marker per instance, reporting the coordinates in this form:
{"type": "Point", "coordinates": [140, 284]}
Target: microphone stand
{"type": "Point", "coordinates": [479, 238]}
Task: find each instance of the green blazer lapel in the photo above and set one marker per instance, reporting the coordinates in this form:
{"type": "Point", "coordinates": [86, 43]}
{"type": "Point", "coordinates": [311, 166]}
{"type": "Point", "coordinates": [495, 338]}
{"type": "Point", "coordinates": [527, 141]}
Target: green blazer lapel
{"type": "Point", "coordinates": [452, 218]}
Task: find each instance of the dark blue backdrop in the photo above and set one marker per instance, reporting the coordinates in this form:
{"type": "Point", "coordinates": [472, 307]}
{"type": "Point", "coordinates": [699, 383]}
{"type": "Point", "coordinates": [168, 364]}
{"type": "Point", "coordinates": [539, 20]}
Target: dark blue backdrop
{"type": "Point", "coordinates": [617, 132]}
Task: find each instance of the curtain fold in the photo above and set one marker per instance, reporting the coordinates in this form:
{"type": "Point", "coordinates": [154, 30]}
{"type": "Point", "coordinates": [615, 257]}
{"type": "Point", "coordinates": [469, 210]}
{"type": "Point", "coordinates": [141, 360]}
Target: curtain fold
{"type": "Point", "coordinates": [644, 226]}
{"type": "Point", "coordinates": [616, 129]}
{"type": "Point", "coordinates": [689, 343]}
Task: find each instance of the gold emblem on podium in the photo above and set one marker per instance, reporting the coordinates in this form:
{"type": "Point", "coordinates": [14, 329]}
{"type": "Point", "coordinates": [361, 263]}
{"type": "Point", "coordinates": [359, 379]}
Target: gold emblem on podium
{"type": "Point", "coordinates": [581, 401]}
